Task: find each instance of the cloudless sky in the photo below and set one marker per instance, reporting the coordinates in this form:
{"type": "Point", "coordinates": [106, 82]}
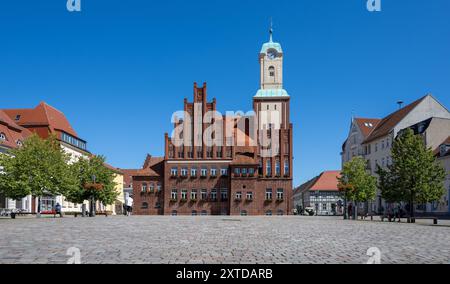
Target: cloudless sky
{"type": "Point", "coordinates": [119, 69]}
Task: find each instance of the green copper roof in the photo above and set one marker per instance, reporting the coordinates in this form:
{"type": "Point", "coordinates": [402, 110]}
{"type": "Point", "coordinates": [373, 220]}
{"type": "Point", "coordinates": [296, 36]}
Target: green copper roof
{"type": "Point", "coordinates": [271, 93]}
{"type": "Point", "coordinates": [271, 45]}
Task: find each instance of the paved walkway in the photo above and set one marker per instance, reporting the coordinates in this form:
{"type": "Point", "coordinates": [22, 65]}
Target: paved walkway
{"type": "Point", "coordinates": [216, 240]}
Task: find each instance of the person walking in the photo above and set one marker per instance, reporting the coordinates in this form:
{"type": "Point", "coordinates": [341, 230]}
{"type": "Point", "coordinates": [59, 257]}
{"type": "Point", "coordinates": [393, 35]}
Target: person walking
{"type": "Point", "coordinates": [129, 204]}
{"type": "Point", "coordinates": [58, 210]}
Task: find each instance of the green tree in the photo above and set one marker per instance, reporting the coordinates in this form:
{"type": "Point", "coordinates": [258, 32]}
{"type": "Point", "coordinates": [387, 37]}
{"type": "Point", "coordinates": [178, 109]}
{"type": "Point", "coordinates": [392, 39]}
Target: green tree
{"type": "Point", "coordinates": [356, 184]}
{"type": "Point", "coordinates": [414, 175]}
{"type": "Point", "coordinates": [95, 182]}
{"type": "Point", "coordinates": [39, 167]}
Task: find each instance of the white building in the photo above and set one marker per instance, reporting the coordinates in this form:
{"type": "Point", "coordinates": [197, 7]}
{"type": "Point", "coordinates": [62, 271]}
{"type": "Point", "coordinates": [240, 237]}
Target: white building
{"type": "Point", "coordinates": [425, 116]}
{"type": "Point", "coordinates": [44, 120]}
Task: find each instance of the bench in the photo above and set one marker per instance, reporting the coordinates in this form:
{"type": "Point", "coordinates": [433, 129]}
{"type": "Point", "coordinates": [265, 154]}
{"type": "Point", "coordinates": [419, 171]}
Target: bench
{"type": "Point", "coordinates": [14, 214]}
{"type": "Point", "coordinates": [435, 219]}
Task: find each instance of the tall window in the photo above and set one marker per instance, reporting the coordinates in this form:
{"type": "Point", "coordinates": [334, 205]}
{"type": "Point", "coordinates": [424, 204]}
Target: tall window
{"type": "Point", "coordinates": [280, 194]}
{"type": "Point", "coordinates": [269, 194]}
{"type": "Point", "coordinates": [239, 195]}
{"type": "Point", "coordinates": [269, 167]}
{"type": "Point", "coordinates": [184, 194]}
{"type": "Point", "coordinates": [213, 172]}
{"type": "Point", "coordinates": [286, 167]}
{"type": "Point", "coordinates": [144, 187]}
{"type": "Point", "coordinates": [214, 194]}
{"type": "Point", "coordinates": [174, 194]}
{"type": "Point", "coordinates": [224, 194]}
{"type": "Point", "coordinates": [193, 172]}
{"type": "Point", "coordinates": [224, 171]}
{"type": "Point", "coordinates": [204, 172]}
{"type": "Point", "coordinates": [194, 194]}
{"type": "Point", "coordinates": [277, 168]}
{"type": "Point", "coordinates": [204, 194]}
{"type": "Point", "coordinates": [250, 196]}
{"type": "Point", "coordinates": [184, 172]}
{"type": "Point", "coordinates": [272, 71]}
{"type": "Point", "coordinates": [152, 187]}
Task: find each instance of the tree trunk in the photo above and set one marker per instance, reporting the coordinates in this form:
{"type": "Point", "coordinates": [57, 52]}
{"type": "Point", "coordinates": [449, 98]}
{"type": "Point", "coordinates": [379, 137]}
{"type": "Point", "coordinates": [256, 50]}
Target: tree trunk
{"type": "Point", "coordinates": [411, 209]}
{"type": "Point", "coordinates": [345, 209]}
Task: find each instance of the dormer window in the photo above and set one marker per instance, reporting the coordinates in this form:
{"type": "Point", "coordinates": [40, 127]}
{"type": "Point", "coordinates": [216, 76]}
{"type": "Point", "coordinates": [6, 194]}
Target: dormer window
{"type": "Point", "coordinates": [2, 136]}
{"type": "Point", "coordinates": [18, 117]}
{"type": "Point", "coordinates": [19, 143]}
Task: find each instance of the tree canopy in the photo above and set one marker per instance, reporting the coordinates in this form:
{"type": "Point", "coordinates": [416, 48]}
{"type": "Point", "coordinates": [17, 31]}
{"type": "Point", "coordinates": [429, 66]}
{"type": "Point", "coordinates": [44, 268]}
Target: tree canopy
{"type": "Point", "coordinates": [39, 167]}
{"type": "Point", "coordinates": [414, 175]}
{"type": "Point", "coordinates": [355, 182]}
{"type": "Point", "coordinates": [94, 180]}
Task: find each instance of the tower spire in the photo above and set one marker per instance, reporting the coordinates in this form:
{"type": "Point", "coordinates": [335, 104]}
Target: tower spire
{"type": "Point", "coordinates": [271, 30]}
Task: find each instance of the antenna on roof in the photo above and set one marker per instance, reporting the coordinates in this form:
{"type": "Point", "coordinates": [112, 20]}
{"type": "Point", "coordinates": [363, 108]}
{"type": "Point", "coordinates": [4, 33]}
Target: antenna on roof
{"type": "Point", "coordinates": [271, 30]}
{"type": "Point", "coordinates": [400, 104]}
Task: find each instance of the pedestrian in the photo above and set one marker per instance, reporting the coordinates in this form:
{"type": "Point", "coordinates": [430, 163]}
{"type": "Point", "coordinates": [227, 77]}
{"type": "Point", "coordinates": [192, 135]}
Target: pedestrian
{"type": "Point", "coordinates": [129, 204]}
{"type": "Point", "coordinates": [58, 210]}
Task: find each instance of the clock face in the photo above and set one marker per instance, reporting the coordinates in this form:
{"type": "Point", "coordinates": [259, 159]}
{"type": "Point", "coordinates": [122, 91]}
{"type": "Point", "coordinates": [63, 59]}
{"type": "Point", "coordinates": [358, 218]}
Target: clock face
{"type": "Point", "coordinates": [272, 54]}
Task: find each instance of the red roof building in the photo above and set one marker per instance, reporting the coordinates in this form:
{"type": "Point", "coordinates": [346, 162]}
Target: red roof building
{"type": "Point", "coordinates": [11, 134]}
{"type": "Point", "coordinates": [320, 193]}
{"type": "Point", "coordinates": [45, 120]}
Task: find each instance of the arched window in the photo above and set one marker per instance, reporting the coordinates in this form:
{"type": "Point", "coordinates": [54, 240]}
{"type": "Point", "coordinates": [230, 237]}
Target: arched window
{"type": "Point", "coordinates": [204, 213]}
{"type": "Point", "coordinates": [194, 213]}
{"type": "Point", "coordinates": [144, 187]}
{"type": "Point", "coordinates": [272, 71]}
{"type": "Point", "coordinates": [269, 213]}
{"type": "Point", "coordinates": [174, 213]}
{"type": "Point", "coordinates": [144, 205]}
{"type": "Point", "coordinates": [244, 213]}
{"type": "Point", "coordinates": [2, 136]}
{"type": "Point", "coordinates": [19, 143]}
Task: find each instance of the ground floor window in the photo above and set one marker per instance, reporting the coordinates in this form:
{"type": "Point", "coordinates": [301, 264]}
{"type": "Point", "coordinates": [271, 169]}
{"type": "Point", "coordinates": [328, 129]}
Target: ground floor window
{"type": "Point", "coordinates": [144, 205]}
{"type": "Point", "coordinates": [194, 213]}
{"type": "Point", "coordinates": [204, 213]}
{"type": "Point", "coordinates": [268, 213]}
{"type": "Point", "coordinates": [244, 213]}
{"type": "Point", "coordinates": [174, 213]}
{"type": "Point", "coordinates": [280, 213]}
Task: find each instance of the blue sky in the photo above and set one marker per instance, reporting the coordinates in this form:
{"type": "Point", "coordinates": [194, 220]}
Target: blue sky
{"type": "Point", "coordinates": [118, 69]}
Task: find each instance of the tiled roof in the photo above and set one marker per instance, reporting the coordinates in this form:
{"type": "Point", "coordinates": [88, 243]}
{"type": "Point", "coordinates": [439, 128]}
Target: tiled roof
{"type": "Point", "coordinates": [327, 181]}
{"type": "Point", "coordinates": [241, 159]}
{"type": "Point", "coordinates": [128, 176]}
{"type": "Point", "coordinates": [42, 115]}
{"type": "Point", "coordinates": [12, 131]}
{"type": "Point", "coordinates": [367, 125]}
{"type": "Point", "coordinates": [388, 123]}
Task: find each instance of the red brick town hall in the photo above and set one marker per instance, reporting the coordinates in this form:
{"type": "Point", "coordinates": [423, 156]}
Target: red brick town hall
{"type": "Point", "coordinates": [248, 173]}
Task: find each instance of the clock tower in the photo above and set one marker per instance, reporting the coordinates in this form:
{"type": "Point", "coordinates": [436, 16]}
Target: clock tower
{"type": "Point", "coordinates": [271, 64]}
{"type": "Point", "coordinates": [275, 130]}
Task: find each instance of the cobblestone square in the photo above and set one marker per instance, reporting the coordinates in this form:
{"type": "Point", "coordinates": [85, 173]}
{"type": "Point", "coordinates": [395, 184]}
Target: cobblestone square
{"type": "Point", "coordinates": [219, 240]}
